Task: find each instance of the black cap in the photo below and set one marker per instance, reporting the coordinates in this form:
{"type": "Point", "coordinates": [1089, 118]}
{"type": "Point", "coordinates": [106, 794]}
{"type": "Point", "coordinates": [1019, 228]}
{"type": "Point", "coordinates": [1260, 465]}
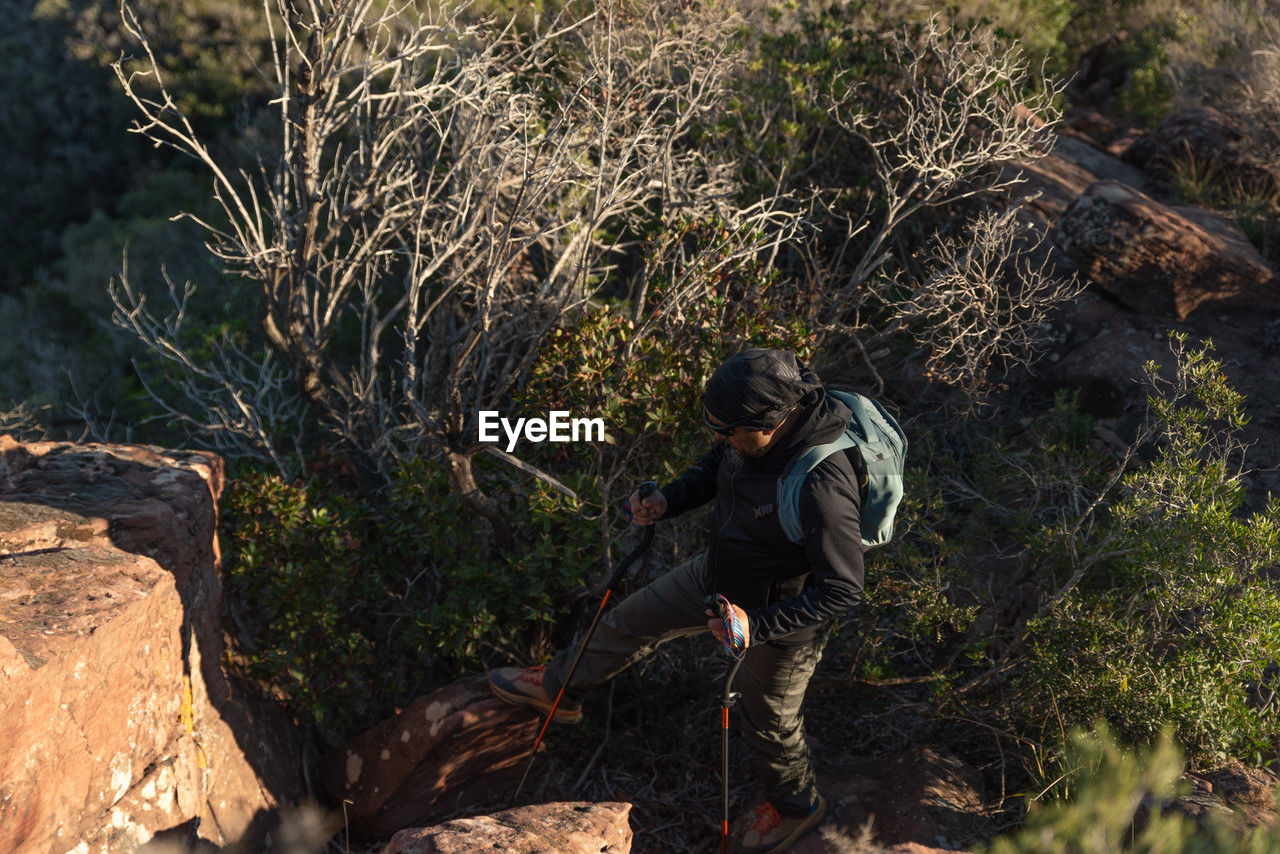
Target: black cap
{"type": "Point", "coordinates": [756, 387]}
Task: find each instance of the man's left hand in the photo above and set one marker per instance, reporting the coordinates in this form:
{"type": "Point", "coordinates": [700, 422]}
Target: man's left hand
{"type": "Point", "coordinates": [718, 629]}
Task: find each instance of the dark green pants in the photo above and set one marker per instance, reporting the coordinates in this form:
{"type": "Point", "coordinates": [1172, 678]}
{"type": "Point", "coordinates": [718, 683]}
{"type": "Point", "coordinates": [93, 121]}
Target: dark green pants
{"type": "Point", "coordinates": [772, 679]}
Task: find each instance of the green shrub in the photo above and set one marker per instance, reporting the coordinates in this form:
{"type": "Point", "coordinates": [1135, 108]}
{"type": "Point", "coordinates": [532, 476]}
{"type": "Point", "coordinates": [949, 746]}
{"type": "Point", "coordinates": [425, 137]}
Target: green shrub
{"type": "Point", "coordinates": [1168, 619]}
{"type": "Point", "coordinates": [349, 609]}
{"type": "Point", "coordinates": [646, 378]}
{"type": "Point", "coordinates": [779, 118]}
{"type": "Point", "coordinates": [984, 511]}
{"type": "Point", "coordinates": [1147, 95]}
{"type": "Point", "coordinates": [1040, 27]}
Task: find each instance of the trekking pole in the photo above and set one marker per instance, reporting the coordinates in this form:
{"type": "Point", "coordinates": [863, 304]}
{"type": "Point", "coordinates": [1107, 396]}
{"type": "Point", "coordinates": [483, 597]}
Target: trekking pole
{"type": "Point", "coordinates": [733, 645]}
{"type": "Point", "coordinates": [615, 580]}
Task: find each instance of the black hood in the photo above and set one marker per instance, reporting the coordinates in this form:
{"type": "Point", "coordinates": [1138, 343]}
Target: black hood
{"type": "Point", "coordinates": [756, 387]}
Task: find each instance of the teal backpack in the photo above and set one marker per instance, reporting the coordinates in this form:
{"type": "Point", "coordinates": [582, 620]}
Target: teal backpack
{"type": "Point", "coordinates": [883, 445]}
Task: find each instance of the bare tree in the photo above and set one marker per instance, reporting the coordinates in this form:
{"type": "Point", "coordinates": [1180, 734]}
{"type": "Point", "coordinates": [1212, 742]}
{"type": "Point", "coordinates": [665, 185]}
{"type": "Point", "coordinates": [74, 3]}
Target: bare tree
{"type": "Point", "coordinates": [238, 401]}
{"type": "Point", "coordinates": [444, 194]}
{"type": "Point", "coordinates": [935, 130]}
{"type": "Point", "coordinates": [983, 307]}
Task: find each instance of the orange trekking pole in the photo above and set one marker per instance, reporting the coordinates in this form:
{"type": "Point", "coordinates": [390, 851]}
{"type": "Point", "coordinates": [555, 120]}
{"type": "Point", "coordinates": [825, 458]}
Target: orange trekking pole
{"type": "Point", "coordinates": [615, 580]}
{"type": "Point", "coordinates": [733, 644]}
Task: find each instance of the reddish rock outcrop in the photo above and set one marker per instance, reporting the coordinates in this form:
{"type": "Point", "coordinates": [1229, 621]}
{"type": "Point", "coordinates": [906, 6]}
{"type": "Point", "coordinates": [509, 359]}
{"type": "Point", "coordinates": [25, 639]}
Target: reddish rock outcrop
{"type": "Point", "coordinates": [116, 720]}
{"type": "Point", "coordinates": [1071, 166]}
{"type": "Point", "coordinates": [566, 828]}
{"type": "Point", "coordinates": [1250, 792]}
{"type": "Point", "coordinates": [458, 747]}
{"type": "Point", "coordinates": [1049, 184]}
{"type": "Point", "coordinates": [1161, 260]}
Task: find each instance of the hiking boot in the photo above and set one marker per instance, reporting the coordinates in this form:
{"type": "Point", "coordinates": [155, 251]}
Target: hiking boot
{"type": "Point", "coordinates": [524, 687]}
{"type": "Point", "coordinates": [764, 830]}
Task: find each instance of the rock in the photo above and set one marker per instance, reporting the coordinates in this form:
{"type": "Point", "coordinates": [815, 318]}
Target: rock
{"type": "Point", "coordinates": [922, 796]}
{"type": "Point", "coordinates": [1236, 796]}
{"type": "Point", "coordinates": [1101, 357]}
{"type": "Point", "coordinates": [566, 828]}
{"type": "Point", "coordinates": [1160, 260]}
{"type": "Point", "coordinates": [1059, 177]}
{"type": "Point", "coordinates": [1092, 124]}
{"type": "Point", "coordinates": [455, 748]}
{"type": "Point", "coordinates": [1199, 805]}
{"type": "Point", "coordinates": [1251, 792]}
{"type": "Point", "coordinates": [116, 719]}
{"type": "Point", "coordinates": [1049, 184]}
{"type": "Point", "coordinates": [1212, 143]}
{"type": "Point", "coordinates": [1123, 140]}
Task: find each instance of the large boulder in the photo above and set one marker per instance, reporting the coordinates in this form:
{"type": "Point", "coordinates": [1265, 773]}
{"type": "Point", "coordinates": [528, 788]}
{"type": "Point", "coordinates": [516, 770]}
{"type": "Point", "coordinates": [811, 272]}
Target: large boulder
{"type": "Point", "coordinates": [1047, 186]}
{"type": "Point", "coordinates": [1162, 260]}
{"type": "Point", "coordinates": [456, 748]}
{"type": "Point", "coordinates": [1210, 142]}
{"type": "Point", "coordinates": [116, 719]}
{"type": "Point", "coordinates": [566, 828]}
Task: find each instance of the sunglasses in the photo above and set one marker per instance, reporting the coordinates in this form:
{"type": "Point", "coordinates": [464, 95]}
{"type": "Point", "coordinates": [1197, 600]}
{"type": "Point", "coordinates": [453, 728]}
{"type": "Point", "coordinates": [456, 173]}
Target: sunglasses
{"type": "Point", "coordinates": [726, 430]}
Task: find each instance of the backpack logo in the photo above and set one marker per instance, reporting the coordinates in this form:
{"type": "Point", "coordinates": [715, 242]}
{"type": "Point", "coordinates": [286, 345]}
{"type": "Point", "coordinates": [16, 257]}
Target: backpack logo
{"type": "Point", "coordinates": [883, 445]}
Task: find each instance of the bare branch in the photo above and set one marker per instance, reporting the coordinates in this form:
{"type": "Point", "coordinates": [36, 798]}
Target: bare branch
{"type": "Point", "coordinates": [446, 193]}
{"type": "Point", "coordinates": [983, 308]}
{"type": "Point", "coordinates": [951, 116]}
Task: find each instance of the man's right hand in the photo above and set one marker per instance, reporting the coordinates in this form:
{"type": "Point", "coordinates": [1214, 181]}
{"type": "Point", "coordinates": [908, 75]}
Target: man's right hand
{"type": "Point", "coordinates": [648, 511]}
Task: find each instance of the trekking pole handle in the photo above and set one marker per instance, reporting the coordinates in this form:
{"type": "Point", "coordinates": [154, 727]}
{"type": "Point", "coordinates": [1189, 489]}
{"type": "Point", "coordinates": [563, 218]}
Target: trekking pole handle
{"type": "Point", "coordinates": [733, 636]}
{"type": "Point", "coordinates": [649, 487]}
{"type": "Point", "coordinates": [646, 489]}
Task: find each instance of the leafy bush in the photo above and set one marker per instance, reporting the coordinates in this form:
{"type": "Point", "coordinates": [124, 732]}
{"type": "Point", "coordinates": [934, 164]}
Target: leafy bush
{"type": "Point", "coordinates": [983, 513]}
{"type": "Point", "coordinates": [778, 115]}
{"type": "Point", "coordinates": [646, 378]}
{"type": "Point", "coordinates": [1169, 617]}
{"type": "Point", "coordinates": [1042, 27]}
{"type": "Point", "coordinates": [348, 609]}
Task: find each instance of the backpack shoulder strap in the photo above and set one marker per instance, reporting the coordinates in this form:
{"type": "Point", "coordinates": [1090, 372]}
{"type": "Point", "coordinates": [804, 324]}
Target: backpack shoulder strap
{"type": "Point", "coordinates": [790, 484]}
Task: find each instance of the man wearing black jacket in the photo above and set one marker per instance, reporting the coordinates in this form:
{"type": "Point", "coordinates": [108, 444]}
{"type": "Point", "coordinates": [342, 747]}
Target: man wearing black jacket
{"type": "Point", "coordinates": [767, 408]}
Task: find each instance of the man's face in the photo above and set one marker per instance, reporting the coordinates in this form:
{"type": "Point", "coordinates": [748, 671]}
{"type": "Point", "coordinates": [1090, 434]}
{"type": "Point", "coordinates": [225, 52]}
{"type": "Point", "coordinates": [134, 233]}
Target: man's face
{"type": "Point", "coordinates": [749, 444]}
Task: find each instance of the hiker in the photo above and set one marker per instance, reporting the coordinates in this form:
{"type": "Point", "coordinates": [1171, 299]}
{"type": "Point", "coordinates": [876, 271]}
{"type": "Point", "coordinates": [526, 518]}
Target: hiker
{"type": "Point", "coordinates": [765, 408]}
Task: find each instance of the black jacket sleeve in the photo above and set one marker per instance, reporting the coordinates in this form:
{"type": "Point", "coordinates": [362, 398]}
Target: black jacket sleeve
{"type": "Point", "coordinates": [829, 518]}
{"type": "Point", "coordinates": [696, 486]}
